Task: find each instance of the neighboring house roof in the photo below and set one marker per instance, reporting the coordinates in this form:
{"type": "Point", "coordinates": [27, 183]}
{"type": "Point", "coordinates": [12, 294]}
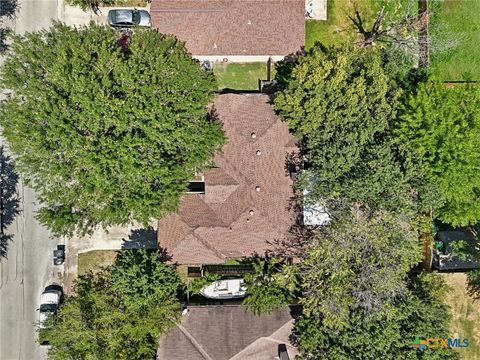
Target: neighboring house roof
{"type": "Point", "coordinates": [232, 218]}
{"type": "Point", "coordinates": [233, 27]}
{"type": "Point", "coordinates": [227, 332]}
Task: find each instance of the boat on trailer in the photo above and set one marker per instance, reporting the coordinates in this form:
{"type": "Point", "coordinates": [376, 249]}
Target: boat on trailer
{"type": "Point", "coordinates": [225, 289]}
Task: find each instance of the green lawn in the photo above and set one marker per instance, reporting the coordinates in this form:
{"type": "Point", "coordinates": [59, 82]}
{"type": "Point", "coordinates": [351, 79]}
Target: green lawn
{"type": "Point", "coordinates": [94, 260]}
{"type": "Point", "coordinates": [334, 30]}
{"type": "Point", "coordinates": [466, 315]}
{"type": "Point", "coordinates": [456, 21]}
{"type": "Point", "coordinates": [240, 76]}
{"type": "Point", "coordinates": [337, 29]}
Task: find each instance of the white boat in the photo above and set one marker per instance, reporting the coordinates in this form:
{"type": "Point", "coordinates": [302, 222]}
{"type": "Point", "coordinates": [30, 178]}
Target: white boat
{"type": "Point", "coordinates": [225, 289]}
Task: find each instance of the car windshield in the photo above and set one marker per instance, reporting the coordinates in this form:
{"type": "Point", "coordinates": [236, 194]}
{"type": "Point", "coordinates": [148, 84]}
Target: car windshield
{"type": "Point", "coordinates": [48, 308]}
{"type": "Point", "coordinates": [136, 17]}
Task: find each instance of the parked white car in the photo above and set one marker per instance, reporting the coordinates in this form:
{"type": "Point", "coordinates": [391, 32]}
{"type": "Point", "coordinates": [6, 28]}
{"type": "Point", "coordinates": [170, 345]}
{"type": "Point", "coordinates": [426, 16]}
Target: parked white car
{"type": "Point", "coordinates": [49, 302]}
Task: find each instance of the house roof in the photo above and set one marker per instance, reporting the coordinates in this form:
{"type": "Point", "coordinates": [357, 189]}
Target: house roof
{"type": "Point", "coordinates": [233, 27]}
{"type": "Point", "coordinates": [227, 332]}
{"type": "Point", "coordinates": [232, 218]}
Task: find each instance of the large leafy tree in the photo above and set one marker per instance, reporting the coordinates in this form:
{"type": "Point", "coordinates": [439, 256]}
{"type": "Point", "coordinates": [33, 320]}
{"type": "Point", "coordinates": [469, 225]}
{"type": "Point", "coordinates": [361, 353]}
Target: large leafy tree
{"type": "Point", "coordinates": [357, 262]}
{"type": "Point", "coordinates": [358, 300]}
{"type": "Point", "coordinates": [342, 103]}
{"type": "Point", "coordinates": [118, 313]}
{"type": "Point", "coordinates": [270, 286]}
{"type": "Point", "coordinates": [442, 125]}
{"type": "Point", "coordinates": [389, 334]}
{"type": "Point", "coordinates": [106, 131]}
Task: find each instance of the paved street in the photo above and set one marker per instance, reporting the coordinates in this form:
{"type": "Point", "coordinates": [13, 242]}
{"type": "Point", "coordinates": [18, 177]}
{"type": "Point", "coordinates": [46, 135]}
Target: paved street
{"type": "Point", "coordinates": [25, 271]}
{"type": "Point", "coordinates": [26, 267]}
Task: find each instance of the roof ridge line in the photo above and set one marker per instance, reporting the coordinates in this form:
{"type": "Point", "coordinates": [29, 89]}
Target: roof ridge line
{"type": "Point", "coordinates": [207, 245]}
{"type": "Point", "coordinates": [237, 171]}
{"type": "Point", "coordinates": [194, 342]}
{"type": "Point", "coordinates": [213, 211]}
{"type": "Point", "coordinates": [268, 338]}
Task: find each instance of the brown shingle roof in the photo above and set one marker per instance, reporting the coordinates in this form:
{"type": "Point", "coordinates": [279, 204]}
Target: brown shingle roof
{"type": "Point", "coordinates": [194, 211]}
{"type": "Point", "coordinates": [232, 219]}
{"type": "Point", "coordinates": [192, 248]}
{"type": "Point", "coordinates": [233, 27]}
{"type": "Point", "coordinates": [225, 332]}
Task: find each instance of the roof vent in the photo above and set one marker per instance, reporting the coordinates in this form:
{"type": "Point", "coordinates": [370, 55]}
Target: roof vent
{"type": "Point", "coordinates": [259, 152]}
{"type": "Point", "coordinates": [251, 212]}
{"type": "Point", "coordinates": [249, 22]}
{"type": "Point", "coordinates": [257, 188]}
{"type": "Point", "coordinates": [253, 135]}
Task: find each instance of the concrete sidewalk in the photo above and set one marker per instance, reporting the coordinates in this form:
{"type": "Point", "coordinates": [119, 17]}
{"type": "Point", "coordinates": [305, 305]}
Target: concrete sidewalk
{"type": "Point", "coordinates": [74, 16]}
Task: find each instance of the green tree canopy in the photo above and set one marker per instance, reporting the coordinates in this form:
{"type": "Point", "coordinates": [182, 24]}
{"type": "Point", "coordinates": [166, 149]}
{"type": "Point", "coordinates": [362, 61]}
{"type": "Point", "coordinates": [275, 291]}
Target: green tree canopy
{"type": "Point", "coordinates": [106, 134]}
{"type": "Point", "coordinates": [358, 299]}
{"type": "Point", "coordinates": [140, 278]}
{"type": "Point", "coordinates": [270, 287]}
{"type": "Point", "coordinates": [342, 103]}
{"type": "Point", "coordinates": [357, 263]}
{"type": "Point", "coordinates": [442, 125]}
{"type": "Point", "coordinates": [118, 313]}
{"type": "Point", "coordinates": [420, 312]}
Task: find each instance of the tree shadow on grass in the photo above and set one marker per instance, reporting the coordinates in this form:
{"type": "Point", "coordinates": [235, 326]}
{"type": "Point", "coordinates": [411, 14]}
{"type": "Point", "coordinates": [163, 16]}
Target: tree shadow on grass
{"type": "Point", "coordinates": [9, 200]}
{"type": "Point", "coordinates": [473, 284]}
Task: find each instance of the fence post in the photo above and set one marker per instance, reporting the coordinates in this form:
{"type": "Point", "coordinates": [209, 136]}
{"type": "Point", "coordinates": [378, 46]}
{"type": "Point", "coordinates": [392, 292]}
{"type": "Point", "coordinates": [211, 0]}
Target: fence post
{"type": "Point", "coordinates": [423, 40]}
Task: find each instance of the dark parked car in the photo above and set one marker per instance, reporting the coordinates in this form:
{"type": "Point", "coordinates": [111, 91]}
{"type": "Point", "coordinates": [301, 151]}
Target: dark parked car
{"type": "Point", "coordinates": [125, 18]}
{"type": "Point", "coordinates": [59, 255]}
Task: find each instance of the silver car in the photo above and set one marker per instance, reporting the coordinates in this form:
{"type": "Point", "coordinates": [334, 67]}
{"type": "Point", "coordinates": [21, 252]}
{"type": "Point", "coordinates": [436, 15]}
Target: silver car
{"type": "Point", "coordinates": [128, 17]}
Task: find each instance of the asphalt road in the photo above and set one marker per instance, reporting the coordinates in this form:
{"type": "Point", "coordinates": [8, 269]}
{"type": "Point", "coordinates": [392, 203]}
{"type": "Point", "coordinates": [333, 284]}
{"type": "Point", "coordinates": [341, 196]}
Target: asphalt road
{"type": "Point", "coordinates": [26, 266]}
{"type": "Point", "coordinates": [25, 271]}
